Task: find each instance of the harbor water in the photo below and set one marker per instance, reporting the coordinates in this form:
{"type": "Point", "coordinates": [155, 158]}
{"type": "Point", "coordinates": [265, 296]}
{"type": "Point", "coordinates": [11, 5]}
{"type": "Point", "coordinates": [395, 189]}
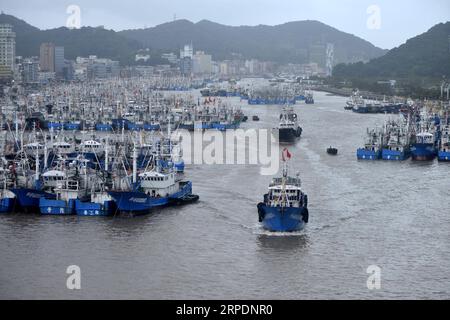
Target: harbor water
{"type": "Point", "coordinates": [394, 215]}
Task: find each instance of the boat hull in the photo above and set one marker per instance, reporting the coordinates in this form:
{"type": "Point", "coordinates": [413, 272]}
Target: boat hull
{"type": "Point", "coordinates": [136, 203]}
{"type": "Point", "coordinates": [364, 154]}
{"type": "Point", "coordinates": [54, 207]}
{"type": "Point", "coordinates": [92, 209]}
{"type": "Point", "coordinates": [28, 199]}
{"type": "Point", "coordinates": [7, 205]}
{"type": "Point", "coordinates": [423, 152]}
{"type": "Point", "coordinates": [283, 219]}
{"type": "Point", "coordinates": [444, 156]}
{"type": "Point", "coordinates": [394, 155]}
{"type": "Point", "coordinates": [289, 135]}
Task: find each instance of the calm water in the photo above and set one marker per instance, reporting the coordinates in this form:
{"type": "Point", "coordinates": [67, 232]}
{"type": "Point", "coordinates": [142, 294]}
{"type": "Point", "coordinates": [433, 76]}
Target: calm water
{"type": "Point", "coordinates": [394, 215]}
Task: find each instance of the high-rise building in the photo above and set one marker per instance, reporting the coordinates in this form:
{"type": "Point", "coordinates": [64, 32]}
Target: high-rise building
{"type": "Point", "coordinates": [47, 57]}
{"type": "Point", "coordinates": [30, 70]}
{"type": "Point", "coordinates": [59, 61]}
{"type": "Point", "coordinates": [187, 51]}
{"type": "Point", "coordinates": [201, 63]}
{"type": "Point", "coordinates": [329, 59]}
{"type": "Point", "coordinates": [7, 46]}
{"type": "Point", "coordinates": [186, 66]}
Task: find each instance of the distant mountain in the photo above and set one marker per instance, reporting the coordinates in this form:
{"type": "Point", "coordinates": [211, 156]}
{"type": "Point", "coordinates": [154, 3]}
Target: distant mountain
{"type": "Point", "coordinates": [427, 55]}
{"type": "Point", "coordinates": [77, 42]}
{"type": "Point", "coordinates": [297, 42]}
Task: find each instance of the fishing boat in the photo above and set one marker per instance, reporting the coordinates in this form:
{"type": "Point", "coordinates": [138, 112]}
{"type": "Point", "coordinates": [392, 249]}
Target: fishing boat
{"type": "Point", "coordinates": [289, 129]}
{"type": "Point", "coordinates": [157, 187]}
{"type": "Point", "coordinates": [425, 146]}
{"type": "Point", "coordinates": [7, 198]}
{"type": "Point", "coordinates": [65, 185]}
{"type": "Point", "coordinates": [28, 187]}
{"type": "Point", "coordinates": [398, 145]}
{"type": "Point", "coordinates": [285, 206]}
{"type": "Point", "coordinates": [100, 203]}
{"type": "Point", "coordinates": [372, 148]}
{"type": "Point", "coordinates": [444, 149]}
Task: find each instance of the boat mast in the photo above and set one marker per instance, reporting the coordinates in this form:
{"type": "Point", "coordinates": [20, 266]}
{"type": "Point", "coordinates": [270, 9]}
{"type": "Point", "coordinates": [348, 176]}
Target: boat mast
{"type": "Point", "coordinates": [134, 164]}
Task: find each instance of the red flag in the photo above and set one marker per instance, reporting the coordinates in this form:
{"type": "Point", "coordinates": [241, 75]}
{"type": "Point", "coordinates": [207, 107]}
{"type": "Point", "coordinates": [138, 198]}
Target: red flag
{"type": "Point", "coordinates": [286, 154]}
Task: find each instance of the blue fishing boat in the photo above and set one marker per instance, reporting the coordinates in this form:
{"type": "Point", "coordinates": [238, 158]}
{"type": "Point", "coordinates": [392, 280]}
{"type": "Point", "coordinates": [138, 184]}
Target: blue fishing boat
{"type": "Point", "coordinates": [156, 189]}
{"type": "Point", "coordinates": [66, 188]}
{"type": "Point", "coordinates": [398, 146]}
{"type": "Point", "coordinates": [152, 126]}
{"type": "Point", "coordinates": [28, 198]}
{"type": "Point", "coordinates": [103, 127]}
{"type": "Point", "coordinates": [7, 198]}
{"type": "Point", "coordinates": [372, 149]}
{"type": "Point", "coordinates": [54, 125]}
{"type": "Point", "coordinates": [99, 204]}
{"type": "Point", "coordinates": [285, 206]}
{"type": "Point", "coordinates": [424, 148]}
{"type": "Point", "coordinates": [444, 149]}
{"type": "Point", "coordinates": [72, 126]}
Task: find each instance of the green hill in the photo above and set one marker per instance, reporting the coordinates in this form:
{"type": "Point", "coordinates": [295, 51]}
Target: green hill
{"type": "Point", "coordinates": [296, 42]}
{"type": "Point", "coordinates": [424, 56]}
{"type": "Point", "coordinates": [77, 42]}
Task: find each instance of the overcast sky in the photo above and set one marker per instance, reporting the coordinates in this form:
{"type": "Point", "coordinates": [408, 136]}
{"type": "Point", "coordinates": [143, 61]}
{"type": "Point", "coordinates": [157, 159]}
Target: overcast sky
{"type": "Point", "coordinates": [399, 19]}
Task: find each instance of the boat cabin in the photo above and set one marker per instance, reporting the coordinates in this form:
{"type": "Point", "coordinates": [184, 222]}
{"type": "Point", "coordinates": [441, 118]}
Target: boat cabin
{"type": "Point", "coordinates": [157, 184]}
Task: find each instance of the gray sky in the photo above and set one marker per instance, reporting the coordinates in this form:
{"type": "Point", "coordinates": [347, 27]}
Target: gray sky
{"type": "Point", "coordinates": [399, 19]}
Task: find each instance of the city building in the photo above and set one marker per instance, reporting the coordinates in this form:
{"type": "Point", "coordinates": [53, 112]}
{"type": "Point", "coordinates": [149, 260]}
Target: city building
{"type": "Point", "coordinates": [30, 71]}
{"type": "Point", "coordinates": [46, 77]}
{"type": "Point", "coordinates": [47, 57]}
{"type": "Point", "coordinates": [93, 67]}
{"type": "Point", "coordinates": [201, 63]}
{"type": "Point", "coordinates": [59, 61]}
{"type": "Point", "coordinates": [186, 66]}
{"type": "Point", "coordinates": [171, 57]}
{"type": "Point", "coordinates": [7, 46]}
{"type": "Point", "coordinates": [187, 51]}
{"type": "Point", "coordinates": [143, 56]}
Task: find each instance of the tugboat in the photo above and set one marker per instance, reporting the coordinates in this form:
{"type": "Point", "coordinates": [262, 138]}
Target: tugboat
{"type": "Point", "coordinates": [289, 129]}
{"type": "Point", "coordinates": [285, 206]}
{"type": "Point", "coordinates": [332, 151]}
